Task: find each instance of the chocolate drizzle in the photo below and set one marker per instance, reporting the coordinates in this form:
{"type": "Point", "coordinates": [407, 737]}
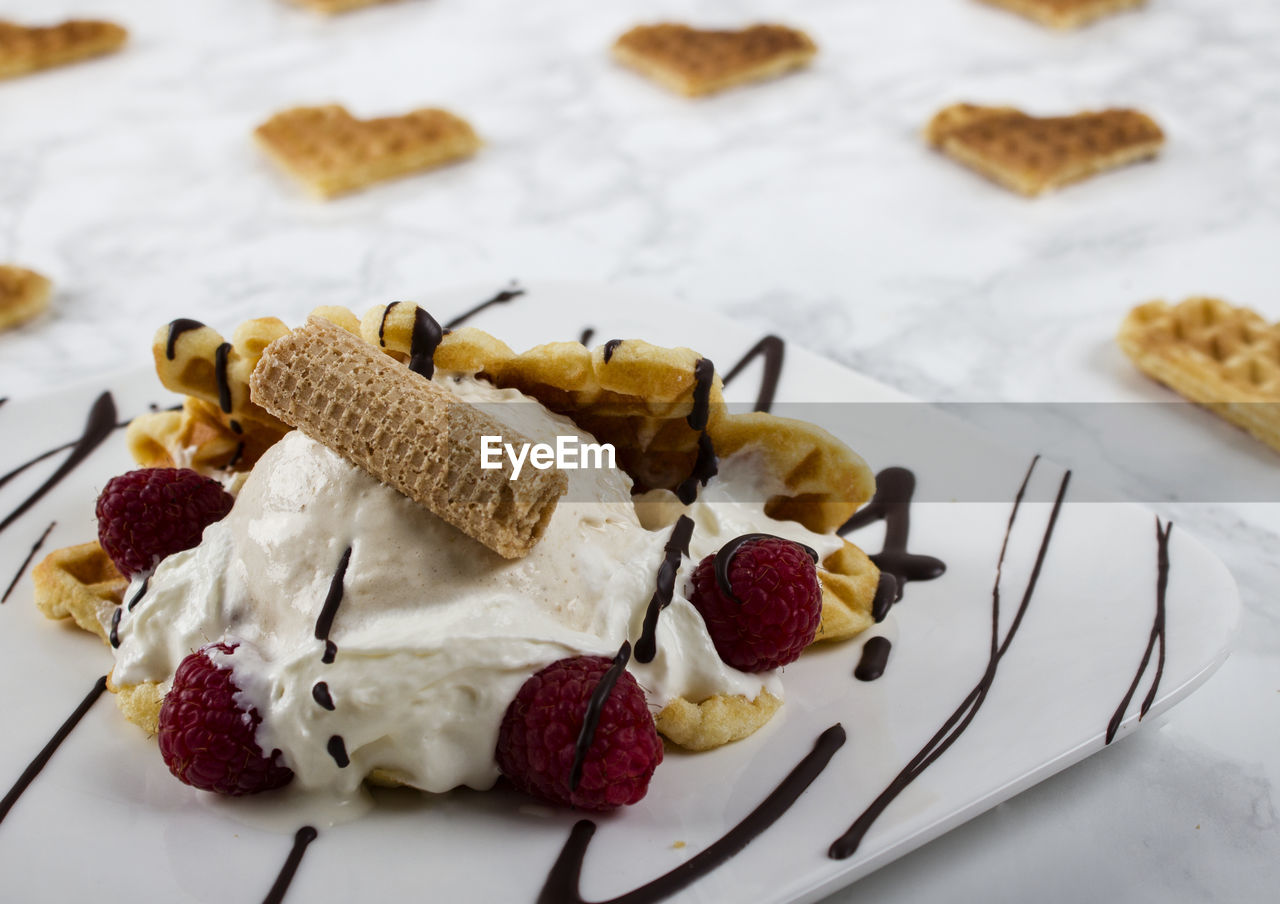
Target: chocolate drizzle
{"type": "Point", "coordinates": [892, 503]}
{"type": "Point", "coordinates": [875, 656]}
{"type": "Point", "coordinates": [609, 348]}
{"type": "Point", "coordinates": [595, 706]}
{"type": "Point", "coordinates": [22, 569]}
{"type": "Point", "coordinates": [235, 457]}
{"type": "Point", "coordinates": [773, 349]}
{"type": "Point", "coordinates": [338, 750]}
{"type": "Point", "coordinates": [1157, 636]}
{"type": "Point", "coordinates": [320, 693]}
{"type": "Point", "coordinates": [301, 840]}
{"type": "Point", "coordinates": [324, 622]}
{"type": "Point", "coordinates": [42, 758]}
{"type": "Point", "coordinates": [955, 725]}
{"type": "Point", "coordinates": [100, 424]}
{"type": "Point", "coordinates": [220, 358]}
{"type": "Point", "coordinates": [114, 637]}
{"type": "Point", "coordinates": [424, 341]}
{"type": "Point", "coordinates": [704, 466]}
{"type": "Point", "coordinates": [176, 329]}
{"type": "Point", "coordinates": [886, 594]}
{"type": "Point", "coordinates": [502, 297]}
{"type": "Point", "coordinates": [587, 333]}
{"type": "Point", "coordinates": [142, 591]}
{"type": "Point", "coordinates": [563, 885]}
{"type": "Point", "coordinates": [676, 549]}
{"type": "Point", "coordinates": [725, 555]}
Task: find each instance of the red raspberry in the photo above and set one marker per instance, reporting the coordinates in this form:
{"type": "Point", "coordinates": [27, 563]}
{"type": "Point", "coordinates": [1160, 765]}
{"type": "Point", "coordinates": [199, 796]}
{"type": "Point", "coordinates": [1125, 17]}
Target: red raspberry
{"type": "Point", "coordinates": [537, 740]}
{"type": "Point", "coordinates": [147, 514]}
{"type": "Point", "coordinates": [775, 608]}
{"type": "Point", "coordinates": [207, 740]}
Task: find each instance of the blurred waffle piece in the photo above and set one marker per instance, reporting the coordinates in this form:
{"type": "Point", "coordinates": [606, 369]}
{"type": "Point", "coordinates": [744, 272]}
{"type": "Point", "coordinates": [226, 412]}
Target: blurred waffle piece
{"type": "Point", "coordinates": [331, 152]}
{"type": "Point", "coordinates": [24, 294]}
{"type": "Point", "coordinates": [26, 49]}
{"type": "Point", "coordinates": [1217, 355]}
{"type": "Point", "coordinates": [337, 6]}
{"type": "Point", "coordinates": [693, 61]}
{"type": "Point", "coordinates": [1032, 154]}
{"type": "Point", "coordinates": [1066, 13]}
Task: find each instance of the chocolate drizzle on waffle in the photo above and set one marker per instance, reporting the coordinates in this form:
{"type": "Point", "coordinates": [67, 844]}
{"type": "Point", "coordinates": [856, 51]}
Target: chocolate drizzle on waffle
{"type": "Point", "coordinates": [324, 623]}
{"type": "Point", "coordinates": [595, 706]}
{"type": "Point", "coordinates": [563, 885]}
{"type": "Point", "coordinates": [22, 569]}
{"type": "Point", "coordinates": [705, 466]}
{"type": "Point", "coordinates": [426, 337]}
{"type": "Point", "coordinates": [892, 504]}
{"type": "Point", "coordinates": [676, 549]}
{"type": "Point", "coordinates": [301, 840]}
{"type": "Point", "coordinates": [773, 350]}
{"type": "Point", "coordinates": [176, 329]}
{"type": "Point", "coordinates": [725, 555]}
{"type": "Point", "coordinates": [955, 725]}
{"type": "Point", "coordinates": [609, 348]}
{"type": "Point", "coordinates": [506, 295]}
{"type": "Point", "coordinates": [1157, 637]}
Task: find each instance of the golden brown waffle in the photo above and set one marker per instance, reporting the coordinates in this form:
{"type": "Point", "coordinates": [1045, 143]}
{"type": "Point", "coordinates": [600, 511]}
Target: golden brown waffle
{"type": "Point", "coordinates": [1066, 13]}
{"type": "Point", "coordinates": [694, 61]}
{"type": "Point", "coordinates": [1219, 356]}
{"type": "Point", "coordinates": [1031, 154]}
{"type": "Point", "coordinates": [26, 49]}
{"type": "Point", "coordinates": [80, 583]}
{"type": "Point", "coordinates": [338, 6]}
{"type": "Point", "coordinates": [716, 721]}
{"type": "Point", "coordinates": [331, 152]}
{"type": "Point", "coordinates": [24, 294]}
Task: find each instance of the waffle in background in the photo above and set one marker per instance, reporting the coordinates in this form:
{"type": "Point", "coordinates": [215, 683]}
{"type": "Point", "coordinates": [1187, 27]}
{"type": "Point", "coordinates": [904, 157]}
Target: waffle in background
{"type": "Point", "coordinates": [1217, 355]}
{"type": "Point", "coordinates": [1033, 154]}
{"type": "Point", "coordinates": [26, 49]}
{"type": "Point", "coordinates": [693, 61]}
{"type": "Point", "coordinates": [331, 152]}
{"type": "Point", "coordinates": [24, 294]}
{"type": "Point", "coordinates": [1066, 13]}
{"type": "Point", "coordinates": [330, 7]}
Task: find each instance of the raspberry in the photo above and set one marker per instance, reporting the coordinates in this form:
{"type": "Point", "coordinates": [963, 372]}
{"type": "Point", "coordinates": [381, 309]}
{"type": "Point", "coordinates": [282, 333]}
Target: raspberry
{"type": "Point", "coordinates": [207, 740]}
{"type": "Point", "coordinates": [774, 609]}
{"type": "Point", "coordinates": [147, 514]}
{"type": "Point", "coordinates": [537, 740]}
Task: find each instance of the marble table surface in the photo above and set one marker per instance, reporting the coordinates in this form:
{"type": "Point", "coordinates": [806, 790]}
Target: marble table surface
{"type": "Point", "coordinates": [807, 207]}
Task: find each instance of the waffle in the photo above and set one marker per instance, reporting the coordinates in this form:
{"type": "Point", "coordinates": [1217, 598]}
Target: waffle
{"type": "Point", "coordinates": [329, 7]}
{"type": "Point", "coordinates": [693, 61]}
{"type": "Point", "coordinates": [26, 49]}
{"type": "Point", "coordinates": [24, 294]}
{"type": "Point", "coordinates": [1066, 13]}
{"type": "Point", "coordinates": [1032, 155]}
{"type": "Point", "coordinates": [1219, 356]}
{"type": "Point", "coordinates": [331, 152]}
{"type": "Point", "coordinates": [80, 583]}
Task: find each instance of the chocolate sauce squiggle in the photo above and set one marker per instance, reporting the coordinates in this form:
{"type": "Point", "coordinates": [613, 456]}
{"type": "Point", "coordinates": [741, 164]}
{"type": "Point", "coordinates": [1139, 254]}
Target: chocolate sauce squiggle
{"type": "Point", "coordinates": [609, 348]}
{"type": "Point", "coordinates": [4, 399]}
{"type": "Point", "coordinates": [22, 569]}
{"type": "Point", "coordinates": [427, 335]}
{"type": "Point", "coordinates": [845, 846]}
{"type": "Point", "coordinates": [320, 693]}
{"type": "Point", "coordinates": [892, 503]}
{"type": "Point", "coordinates": [324, 622]}
{"type": "Point", "coordinates": [176, 329]}
{"type": "Point", "coordinates": [301, 840]}
{"type": "Point", "coordinates": [563, 885]}
{"type": "Point", "coordinates": [338, 750]}
{"type": "Point", "coordinates": [773, 349]}
{"type": "Point", "coordinates": [1157, 636]}
{"type": "Point", "coordinates": [42, 758]}
{"type": "Point", "coordinates": [875, 656]}
{"type": "Point", "coordinates": [100, 424]}
{"type": "Point", "coordinates": [705, 466]}
{"type": "Point", "coordinates": [142, 591]}
{"type": "Point", "coordinates": [595, 706]}
{"type": "Point", "coordinates": [676, 549]}
{"type": "Point", "coordinates": [502, 297]}
{"type": "Point", "coordinates": [113, 637]}
{"type": "Point", "coordinates": [220, 358]}
{"type": "Point", "coordinates": [587, 333]}
{"type": "Point", "coordinates": [725, 556]}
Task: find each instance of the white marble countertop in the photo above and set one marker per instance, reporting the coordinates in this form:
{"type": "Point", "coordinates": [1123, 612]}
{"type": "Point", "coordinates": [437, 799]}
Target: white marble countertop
{"type": "Point", "coordinates": [807, 206]}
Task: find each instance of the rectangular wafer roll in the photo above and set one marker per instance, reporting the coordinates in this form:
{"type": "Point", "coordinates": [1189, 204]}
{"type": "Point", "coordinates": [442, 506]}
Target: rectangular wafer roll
{"type": "Point", "coordinates": [410, 433]}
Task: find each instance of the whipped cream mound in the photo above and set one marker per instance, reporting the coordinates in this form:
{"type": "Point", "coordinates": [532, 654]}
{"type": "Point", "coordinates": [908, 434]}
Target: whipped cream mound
{"type": "Point", "coordinates": [435, 633]}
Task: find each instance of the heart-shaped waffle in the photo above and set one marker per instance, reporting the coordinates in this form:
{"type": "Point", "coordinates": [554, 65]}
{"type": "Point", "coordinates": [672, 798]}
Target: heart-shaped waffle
{"type": "Point", "coordinates": [1066, 13]}
{"type": "Point", "coordinates": [26, 49]}
{"type": "Point", "coordinates": [24, 294]}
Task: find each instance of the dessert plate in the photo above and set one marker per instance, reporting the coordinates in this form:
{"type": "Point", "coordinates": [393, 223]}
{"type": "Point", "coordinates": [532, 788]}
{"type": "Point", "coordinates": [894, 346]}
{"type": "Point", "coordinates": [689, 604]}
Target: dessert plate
{"type": "Point", "coordinates": [1059, 619]}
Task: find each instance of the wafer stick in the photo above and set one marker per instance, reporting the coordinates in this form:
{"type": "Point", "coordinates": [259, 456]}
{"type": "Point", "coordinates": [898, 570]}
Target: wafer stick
{"type": "Point", "coordinates": [410, 433]}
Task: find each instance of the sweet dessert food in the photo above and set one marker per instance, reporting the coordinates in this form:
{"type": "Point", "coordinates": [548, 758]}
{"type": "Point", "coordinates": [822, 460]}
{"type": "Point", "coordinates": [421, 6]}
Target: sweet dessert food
{"type": "Point", "coordinates": [1223, 357]}
{"type": "Point", "coordinates": [1066, 13]}
{"type": "Point", "coordinates": [331, 152]}
{"type": "Point", "coordinates": [24, 295]}
{"type": "Point", "coordinates": [345, 632]}
{"type": "Point", "coordinates": [695, 61]}
{"type": "Point", "coordinates": [1031, 154]}
{"type": "Point", "coordinates": [330, 7]}
{"type": "Point", "coordinates": [25, 48]}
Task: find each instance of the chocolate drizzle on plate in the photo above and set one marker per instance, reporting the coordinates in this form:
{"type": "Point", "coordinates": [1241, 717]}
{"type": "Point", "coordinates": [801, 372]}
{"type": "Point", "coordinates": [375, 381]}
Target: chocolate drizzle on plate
{"type": "Point", "coordinates": [676, 549]}
{"type": "Point", "coordinates": [595, 706]}
{"type": "Point", "coordinates": [725, 555]}
{"type": "Point", "coordinates": [609, 348]}
{"type": "Point", "coordinates": [324, 622]}
{"type": "Point", "coordinates": [506, 295]}
{"type": "Point", "coordinates": [320, 693]}
{"type": "Point", "coordinates": [22, 569]}
{"type": "Point", "coordinates": [892, 503]}
{"type": "Point", "coordinates": [338, 750]}
{"type": "Point", "coordinates": [563, 885]}
{"type": "Point", "coordinates": [301, 840]}
{"type": "Point", "coordinates": [955, 725]}
{"type": "Point", "coordinates": [875, 656]}
{"type": "Point", "coordinates": [176, 329]}
{"type": "Point", "coordinates": [1157, 636]}
{"type": "Point", "coordinates": [99, 425]}
{"type": "Point", "coordinates": [42, 758]}
{"type": "Point", "coordinates": [773, 350]}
